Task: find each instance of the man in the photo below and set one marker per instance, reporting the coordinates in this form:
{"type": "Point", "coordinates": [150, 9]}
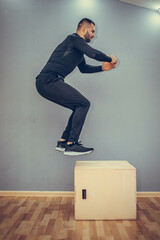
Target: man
{"type": "Point", "coordinates": [50, 82]}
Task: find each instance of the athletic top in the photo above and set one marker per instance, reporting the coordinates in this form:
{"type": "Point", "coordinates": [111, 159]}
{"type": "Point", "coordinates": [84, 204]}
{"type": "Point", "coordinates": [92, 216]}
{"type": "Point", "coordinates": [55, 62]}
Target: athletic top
{"type": "Point", "coordinates": [69, 54]}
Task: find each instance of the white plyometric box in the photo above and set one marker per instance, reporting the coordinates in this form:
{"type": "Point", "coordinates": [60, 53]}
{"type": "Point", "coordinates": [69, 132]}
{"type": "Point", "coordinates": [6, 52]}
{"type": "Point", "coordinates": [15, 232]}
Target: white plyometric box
{"type": "Point", "coordinates": [105, 190]}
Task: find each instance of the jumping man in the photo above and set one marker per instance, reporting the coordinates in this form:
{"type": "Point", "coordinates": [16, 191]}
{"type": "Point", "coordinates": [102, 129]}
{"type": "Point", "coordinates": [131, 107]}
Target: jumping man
{"type": "Point", "coordinates": [51, 85]}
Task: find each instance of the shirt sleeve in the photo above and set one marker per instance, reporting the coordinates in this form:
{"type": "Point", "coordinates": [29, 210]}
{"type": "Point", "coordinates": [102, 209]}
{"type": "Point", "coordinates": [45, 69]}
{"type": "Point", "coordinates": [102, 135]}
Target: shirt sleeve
{"type": "Point", "coordinates": [85, 68]}
{"type": "Point", "coordinates": [82, 46]}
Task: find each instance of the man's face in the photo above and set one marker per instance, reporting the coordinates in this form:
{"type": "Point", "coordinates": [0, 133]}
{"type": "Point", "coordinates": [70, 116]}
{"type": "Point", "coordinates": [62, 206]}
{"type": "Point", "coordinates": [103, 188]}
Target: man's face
{"type": "Point", "coordinates": [90, 32]}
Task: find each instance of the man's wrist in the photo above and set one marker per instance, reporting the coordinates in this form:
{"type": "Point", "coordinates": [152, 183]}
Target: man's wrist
{"type": "Point", "coordinates": [109, 58]}
{"type": "Point", "coordinates": [102, 67]}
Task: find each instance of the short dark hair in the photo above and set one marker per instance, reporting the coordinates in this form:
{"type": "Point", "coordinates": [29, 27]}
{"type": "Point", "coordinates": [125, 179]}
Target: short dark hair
{"type": "Point", "coordinates": [85, 20]}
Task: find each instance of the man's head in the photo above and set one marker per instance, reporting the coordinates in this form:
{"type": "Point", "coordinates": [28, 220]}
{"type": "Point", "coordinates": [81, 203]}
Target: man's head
{"type": "Point", "coordinates": [86, 29]}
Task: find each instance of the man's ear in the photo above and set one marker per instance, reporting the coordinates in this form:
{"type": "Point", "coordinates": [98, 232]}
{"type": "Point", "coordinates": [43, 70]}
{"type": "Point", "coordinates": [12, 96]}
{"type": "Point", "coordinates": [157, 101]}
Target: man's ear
{"type": "Point", "coordinates": [84, 29]}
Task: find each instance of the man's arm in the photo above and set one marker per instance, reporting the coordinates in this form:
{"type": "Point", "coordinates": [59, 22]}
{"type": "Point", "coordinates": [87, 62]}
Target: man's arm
{"type": "Point", "coordinates": [82, 46]}
{"type": "Point", "coordinates": [85, 68]}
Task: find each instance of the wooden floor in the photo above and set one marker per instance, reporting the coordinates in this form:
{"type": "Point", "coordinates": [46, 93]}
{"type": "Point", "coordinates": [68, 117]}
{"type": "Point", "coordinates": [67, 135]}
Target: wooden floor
{"type": "Point", "coordinates": [42, 218]}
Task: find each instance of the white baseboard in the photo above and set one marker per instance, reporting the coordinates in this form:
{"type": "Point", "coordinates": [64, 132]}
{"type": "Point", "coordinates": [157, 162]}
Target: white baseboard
{"type": "Point", "coordinates": [61, 194]}
{"type": "Point", "coordinates": [148, 194]}
{"type": "Point", "coordinates": [38, 193]}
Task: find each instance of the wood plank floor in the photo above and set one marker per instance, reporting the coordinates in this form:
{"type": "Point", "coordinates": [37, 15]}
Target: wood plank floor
{"type": "Point", "coordinates": [52, 218]}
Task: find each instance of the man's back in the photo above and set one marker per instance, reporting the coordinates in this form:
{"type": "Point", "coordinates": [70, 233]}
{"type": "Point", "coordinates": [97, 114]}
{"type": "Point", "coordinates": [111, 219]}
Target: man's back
{"type": "Point", "coordinates": [65, 57]}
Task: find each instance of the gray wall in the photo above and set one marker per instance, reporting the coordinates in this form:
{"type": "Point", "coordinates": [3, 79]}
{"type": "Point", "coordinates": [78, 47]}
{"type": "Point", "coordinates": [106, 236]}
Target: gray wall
{"type": "Point", "coordinates": [123, 121]}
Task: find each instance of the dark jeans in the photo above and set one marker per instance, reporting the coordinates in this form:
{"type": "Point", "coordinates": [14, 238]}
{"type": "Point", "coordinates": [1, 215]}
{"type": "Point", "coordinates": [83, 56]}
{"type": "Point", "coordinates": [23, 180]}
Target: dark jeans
{"type": "Point", "coordinates": [56, 90]}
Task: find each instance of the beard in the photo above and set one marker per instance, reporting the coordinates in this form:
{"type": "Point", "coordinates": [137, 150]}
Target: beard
{"type": "Point", "coordinates": [87, 37]}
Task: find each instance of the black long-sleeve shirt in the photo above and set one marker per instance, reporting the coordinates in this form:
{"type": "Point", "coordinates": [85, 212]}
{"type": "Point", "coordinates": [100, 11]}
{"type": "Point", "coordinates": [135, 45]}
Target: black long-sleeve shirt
{"type": "Point", "coordinates": [69, 54]}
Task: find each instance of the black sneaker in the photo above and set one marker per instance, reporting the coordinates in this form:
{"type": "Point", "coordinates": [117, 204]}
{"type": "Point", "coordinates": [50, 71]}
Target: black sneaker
{"type": "Point", "coordinates": [76, 149]}
{"type": "Point", "coordinates": [61, 146]}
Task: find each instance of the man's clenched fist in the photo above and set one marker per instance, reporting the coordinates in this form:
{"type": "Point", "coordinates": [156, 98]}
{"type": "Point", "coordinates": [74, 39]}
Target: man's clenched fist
{"type": "Point", "coordinates": [106, 66]}
{"type": "Point", "coordinates": [114, 60]}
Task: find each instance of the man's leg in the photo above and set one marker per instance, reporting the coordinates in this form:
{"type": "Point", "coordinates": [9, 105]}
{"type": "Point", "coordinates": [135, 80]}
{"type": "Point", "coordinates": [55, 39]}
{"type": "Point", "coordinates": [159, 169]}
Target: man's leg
{"type": "Point", "coordinates": [76, 121]}
{"type": "Point", "coordinates": [66, 133]}
{"type": "Point", "coordinates": [66, 96]}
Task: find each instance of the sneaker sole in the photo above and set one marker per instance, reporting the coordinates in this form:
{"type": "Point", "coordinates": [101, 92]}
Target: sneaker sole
{"type": "Point", "coordinates": [60, 149]}
{"type": "Point", "coordinates": [76, 153]}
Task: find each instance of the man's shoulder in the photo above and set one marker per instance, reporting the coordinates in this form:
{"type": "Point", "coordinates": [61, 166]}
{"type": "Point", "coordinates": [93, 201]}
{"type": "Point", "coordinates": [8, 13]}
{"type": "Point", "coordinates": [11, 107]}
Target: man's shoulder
{"type": "Point", "coordinates": [70, 37]}
{"type": "Point", "coordinates": [74, 36]}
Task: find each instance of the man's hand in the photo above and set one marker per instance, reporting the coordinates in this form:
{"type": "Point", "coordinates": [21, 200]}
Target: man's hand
{"type": "Point", "coordinates": [106, 66]}
{"type": "Point", "coordinates": [114, 60]}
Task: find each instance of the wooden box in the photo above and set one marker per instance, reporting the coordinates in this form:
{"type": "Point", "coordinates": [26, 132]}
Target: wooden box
{"type": "Point", "coordinates": [105, 190]}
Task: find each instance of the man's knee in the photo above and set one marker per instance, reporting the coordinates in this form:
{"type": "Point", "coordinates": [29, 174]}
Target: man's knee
{"type": "Point", "coordinates": [83, 103]}
{"type": "Point", "coordinates": [87, 103]}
